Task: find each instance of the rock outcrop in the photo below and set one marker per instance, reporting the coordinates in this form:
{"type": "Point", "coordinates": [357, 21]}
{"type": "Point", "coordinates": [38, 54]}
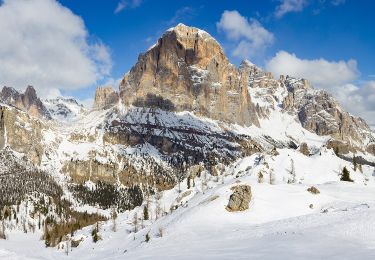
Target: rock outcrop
{"type": "Point", "coordinates": [320, 113]}
{"type": "Point", "coordinates": [105, 97]}
{"type": "Point", "coordinates": [240, 198]}
{"type": "Point", "coordinates": [28, 101]}
{"type": "Point", "coordinates": [188, 68]}
{"type": "Point", "coordinates": [316, 110]}
{"type": "Point", "coordinates": [304, 149]}
{"type": "Point", "coordinates": [313, 190]}
{"type": "Point", "coordinates": [21, 133]}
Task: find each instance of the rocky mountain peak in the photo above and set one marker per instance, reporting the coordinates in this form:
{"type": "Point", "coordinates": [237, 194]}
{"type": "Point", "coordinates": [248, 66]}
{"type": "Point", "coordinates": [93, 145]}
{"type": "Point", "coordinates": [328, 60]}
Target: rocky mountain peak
{"type": "Point", "coordinates": [28, 101]}
{"type": "Point", "coordinates": [193, 45]}
{"type": "Point", "coordinates": [8, 93]}
{"type": "Point", "coordinates": [189, 68]}
{"type": "Point", "coordinates": [30, 92]}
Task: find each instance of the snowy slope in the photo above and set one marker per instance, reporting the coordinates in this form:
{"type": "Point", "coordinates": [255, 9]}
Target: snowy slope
{"type": "Point", "coordinates": [279, 223]}
{"type": "Point", "coordinates": [64, 109]}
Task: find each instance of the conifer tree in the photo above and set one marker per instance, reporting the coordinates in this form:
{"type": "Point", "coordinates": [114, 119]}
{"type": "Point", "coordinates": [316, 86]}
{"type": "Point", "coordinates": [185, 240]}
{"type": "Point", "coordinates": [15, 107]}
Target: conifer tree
{"type": "Point", "coordinates": [147, 237]}
{"type": "Point", "coordinates": [145, 213]}
{"type": "Point", "coordinates": [345, 175]}
{"type": "Point", "coordinates": [354, 163]}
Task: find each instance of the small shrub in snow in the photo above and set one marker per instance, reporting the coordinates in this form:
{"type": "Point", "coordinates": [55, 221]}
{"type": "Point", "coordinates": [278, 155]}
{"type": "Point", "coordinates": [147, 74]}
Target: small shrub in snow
{"type": "Point", "coordinates": [147, 238]}
{"type": "Point", "coordinates": [345, 175]}
{"type": "Point", "coordinates": [260, 177]}
{"type": "Point", "coordinates": [95, 234]}
{"type": "Point", "coordinates": [355, 164]}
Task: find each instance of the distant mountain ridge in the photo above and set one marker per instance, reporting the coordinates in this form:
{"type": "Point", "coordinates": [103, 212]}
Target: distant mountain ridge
{"type": "Point", "coordinates": [27, 101]}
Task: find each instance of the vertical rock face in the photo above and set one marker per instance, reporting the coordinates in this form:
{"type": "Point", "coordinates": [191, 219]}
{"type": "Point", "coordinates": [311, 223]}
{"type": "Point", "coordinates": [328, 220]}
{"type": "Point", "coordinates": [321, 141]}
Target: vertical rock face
{"type": "Point", "coordinates": [105, 97]}
{"type": "Point", "coordinates": [22, 133]}
{"type": "Point", "coordinates": [189, 68]}
{"type": "Point", "coordinates": [28, 101]}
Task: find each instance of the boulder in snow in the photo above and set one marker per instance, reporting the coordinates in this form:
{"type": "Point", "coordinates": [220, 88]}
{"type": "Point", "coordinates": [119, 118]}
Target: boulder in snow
{"type": "Point", "coordinates": [313, 190]}
{"type": "Point", "coordinates": [240, 198]}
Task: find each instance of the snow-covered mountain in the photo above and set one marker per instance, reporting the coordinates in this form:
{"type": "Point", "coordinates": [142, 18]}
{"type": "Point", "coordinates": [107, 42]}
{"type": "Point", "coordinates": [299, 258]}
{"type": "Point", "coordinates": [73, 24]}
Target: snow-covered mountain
{"type": "Point", "coordinates": [64, 109]}
{"type": "Point", "coordinates": [190, 148]}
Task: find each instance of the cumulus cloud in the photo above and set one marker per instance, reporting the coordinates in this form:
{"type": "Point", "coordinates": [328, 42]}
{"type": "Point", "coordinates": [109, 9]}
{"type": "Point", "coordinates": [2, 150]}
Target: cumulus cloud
{"type": "Point", "coordinates": [288, 6]}
{"type": "Point", "coordinates": [336, 77]}
{"type": "Point", "coordinates": [250, 35]}
{"type": "Point", "coordinates": [45, 45]}
{"type": "Point", "coordinates": [124, 4]}
{"type": "Point", "coordinates": [358, 99]}
{"type": "Point", "coordinates": [320, 72]}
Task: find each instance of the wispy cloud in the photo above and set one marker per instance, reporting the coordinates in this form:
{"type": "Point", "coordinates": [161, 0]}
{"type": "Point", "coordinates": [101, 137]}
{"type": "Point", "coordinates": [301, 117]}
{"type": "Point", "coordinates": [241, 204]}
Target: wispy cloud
{"type": "Point", "coordinates": [184, 13]}
{"type": "Point", "coordinates": [288, 6]}
{"type": "Point", "coordinates": [338, 2]}
{"type": "Point", "coordinates": [127, 4]}
{"type": "Point", "coordinates": [293, 6]}
{"type": "Point", "coordinates": [251, 37]}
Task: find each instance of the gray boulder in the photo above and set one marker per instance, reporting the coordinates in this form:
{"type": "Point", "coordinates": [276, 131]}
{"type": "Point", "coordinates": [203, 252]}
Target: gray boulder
{"type": "Point", "coordinates": [240, 198]}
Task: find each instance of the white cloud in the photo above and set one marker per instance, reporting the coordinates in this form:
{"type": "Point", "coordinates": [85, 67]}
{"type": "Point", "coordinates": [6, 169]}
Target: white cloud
{"type": "Point", "coordinates": [45, 45]}
{"type": "Point", "coordinates": [123, 4]}
{"type": "Point", "coordinates": [250, 35]}
{"type": "Point", "coordinates": [288, 6]}
{"type": "Point", "coordinates": [320, 72]}
{"type": "Point", "coordinates": [334, 76]}
{"type": "Point", "coordinates": [359, 100]}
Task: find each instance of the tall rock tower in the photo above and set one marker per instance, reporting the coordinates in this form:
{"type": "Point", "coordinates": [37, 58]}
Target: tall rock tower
{"type": "Point", "coordinates": [188, 68]}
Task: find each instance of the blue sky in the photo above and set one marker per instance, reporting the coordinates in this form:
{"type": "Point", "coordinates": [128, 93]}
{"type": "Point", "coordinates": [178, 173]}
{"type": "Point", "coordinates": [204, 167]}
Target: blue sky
{"type": "Point", "coordinates": [320, 30]}
{"type": "Point", "coordinates": [310, 38]}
